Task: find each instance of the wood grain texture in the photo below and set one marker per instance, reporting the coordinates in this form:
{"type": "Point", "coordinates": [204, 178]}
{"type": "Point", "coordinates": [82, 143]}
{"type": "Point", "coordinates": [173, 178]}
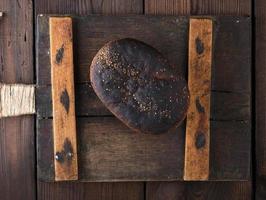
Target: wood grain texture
{"type": "Point", "coordinates": [103, 142]}
{"type": "Point", "coordinates": [17, 156]}
{"type": "Point", "coordinates": [17, 99]}
{"type": "Point", "coordinates": [110, 151]}
{"type": "Point", "coordinates": [91, 191]}
{"type": "Point", "coordinates": [260, 88]}
{"type": "Point", "coordinates": [63, 99]}
{"type": "Point", "coordinates": [110, 190]}
{"type": "Point", "coordinates": [169, 7]}
{"type": "Point", "coordinates": [92, 32]}
{"type": "Point", "coordinates": [224, 105]}
{"type": "Point", "coordinates": [260, 188]}
{"type": "Point", "coordinates": [199, 190]}
{"type": "Point", "coordinates": [197, 145]}
{"type": "Point", "coordinates": [96, 31]}
{"type": "Point", "coordinates": [87, 7]}
{"type": "Point", "coordinates": [220, 7]}
{"type": "Point", "coordinates": [260, 73]}
{"type": "Point", "coordinates": [198, 7]}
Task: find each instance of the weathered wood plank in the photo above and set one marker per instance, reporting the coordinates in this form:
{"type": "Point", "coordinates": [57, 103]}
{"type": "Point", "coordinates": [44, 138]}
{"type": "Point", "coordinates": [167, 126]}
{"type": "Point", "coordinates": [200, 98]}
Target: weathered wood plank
{"type": "Point", "coordinates": [196, 7]}
{"type": "Point", "coordinates": [87, 7]}
{"type": "Point", "coordinates": [224, 105]}
{"type": "Point", "coordinates": [260, 188]}
{"type": "Point", "coordinates": [63, 99]}
{"type": "Point", "coordinates": [198, 118]}
{"type": "Point", "coordinates": [108, 150]}
{"type": "Point", "coordinates": [17, 168]}
{"type": "Point", "coordinates": [96, 31]}
{"type": "Point", "coordinates": [88, 103]}
{"type": "Point", "coordinates": [92, 32]}
{"type": "Point", "coordinates": [169, 7]}
{"type": "Point", "coordinates": [221, 7]}
{"type": "Point", "coordinates": [199, 190]}
{"type": "Point", "coordinates": [16, 99]}
{"type": "Point", "coordinates": [91, 191]}
{"type": "Point", "coordinates": [230, 147]}
{"type": "Point", "coordinates": [260, 98]}
{"type": "Point", "coordinates": [260, 88]}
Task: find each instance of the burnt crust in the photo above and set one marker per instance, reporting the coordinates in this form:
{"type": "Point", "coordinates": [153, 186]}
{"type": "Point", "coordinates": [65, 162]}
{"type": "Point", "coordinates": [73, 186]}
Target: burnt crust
{"type": "Point", "coordinates": [139, 86]}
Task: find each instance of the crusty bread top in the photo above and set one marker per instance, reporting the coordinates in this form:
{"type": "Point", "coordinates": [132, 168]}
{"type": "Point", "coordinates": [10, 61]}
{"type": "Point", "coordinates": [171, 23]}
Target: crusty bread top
{"type": "Point", "coordinates": [139, 86]}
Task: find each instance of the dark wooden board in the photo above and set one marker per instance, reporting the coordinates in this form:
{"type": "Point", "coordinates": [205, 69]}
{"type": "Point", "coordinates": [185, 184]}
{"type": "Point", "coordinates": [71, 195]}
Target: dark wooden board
{"type": "Point", "coordinates": [260, 88]}
{"type": "Point", "coordinates": [109, 151]}
{"type": "Point", "coordinates": [91, 32]}
{"type": "Point", "coordinates": [230, 86]}
{"type": "Point", "coordinates": [168, 34]}
{"type": "Point", "coordinates": [196, 7]}
{"type": "Point", "coordinates": [199, 190]}
{"type": "Point", "coordinates": [86, 7]}
{"type": "Point", "coordinates": [224, 105]}
{"type": "Point", "coordinates": [260, 99]}
{"type": "Point", "coordinates": [91, 191]}
{"type": "Point", "coordinates": [17, 156]}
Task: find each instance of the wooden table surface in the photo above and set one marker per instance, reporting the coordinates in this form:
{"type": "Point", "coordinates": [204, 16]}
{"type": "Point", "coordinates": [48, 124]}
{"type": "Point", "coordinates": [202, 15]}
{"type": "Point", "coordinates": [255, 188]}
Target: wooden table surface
{"type": "Point", "coordinates": [17, 135]}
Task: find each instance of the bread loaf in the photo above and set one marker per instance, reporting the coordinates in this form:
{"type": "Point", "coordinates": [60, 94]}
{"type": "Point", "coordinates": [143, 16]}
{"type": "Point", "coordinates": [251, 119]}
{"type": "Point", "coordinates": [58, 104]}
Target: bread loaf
{"type": "Point", "coordinates": [138, 85]}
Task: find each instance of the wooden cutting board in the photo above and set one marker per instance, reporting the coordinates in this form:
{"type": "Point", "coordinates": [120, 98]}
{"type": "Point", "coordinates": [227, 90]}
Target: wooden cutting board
{"type": "Point", "coordinates": [107, 149]}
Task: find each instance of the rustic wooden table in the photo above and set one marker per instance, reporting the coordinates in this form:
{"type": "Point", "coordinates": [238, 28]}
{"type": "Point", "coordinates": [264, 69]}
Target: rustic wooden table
{"type": "Point", "coordinates": [17, 135]}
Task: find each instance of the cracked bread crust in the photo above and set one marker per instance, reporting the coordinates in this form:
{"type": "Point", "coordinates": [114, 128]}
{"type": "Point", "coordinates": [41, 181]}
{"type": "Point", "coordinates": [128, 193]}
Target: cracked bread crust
{"type": "Point", "coordinates": [138, 85]}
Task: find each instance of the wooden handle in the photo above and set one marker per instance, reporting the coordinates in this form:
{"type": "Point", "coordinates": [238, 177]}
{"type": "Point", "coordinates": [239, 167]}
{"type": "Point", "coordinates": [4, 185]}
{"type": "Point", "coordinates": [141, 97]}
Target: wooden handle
{"type": "Point", "coordinates": [64, 121]}
{"type": "Point", "coordinates": [199, 82]}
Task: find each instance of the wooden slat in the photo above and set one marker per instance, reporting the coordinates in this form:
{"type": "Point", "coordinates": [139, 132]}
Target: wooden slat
{"type": "Point", "coordinates": [96, 31]}
{"type": "Point", "coordinates": [105, 141]}
{"type": "Point", "coordinates": [260, 88]}
{"type": "Point", "coordinates": [110, 151]}
{"type": "Point", "coordinates": [224, 105]}
{"type": "Point", "coordinates": [90, 191]}
{"type": "Point", "coordinates": [260, 74]}
{"type": "Point", "coordinates": [196, 7]}
{"type": "Point", "coordinates": [169, 40]}
{"type": "Point", "coordinates": [220, 7]}
{"type": "Point", "coordinates": [63, 97]}
{"type": "Point", "coordinates": [260, 192]}
{"type": "Point", "coordinates": [16, 99]}
{"type": "Point", "coordinates": [198, 118]}
{"type": "Point", "coordinates": [169, 7]}
{"type": "Point", "coordinates": [88, 7]}
{"type": "Point", "coordinates": [206, 190]}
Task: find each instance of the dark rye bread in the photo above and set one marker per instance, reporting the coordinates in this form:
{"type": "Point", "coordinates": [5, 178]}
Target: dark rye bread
{"type": "Point", "coordinates": [137, 84]}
